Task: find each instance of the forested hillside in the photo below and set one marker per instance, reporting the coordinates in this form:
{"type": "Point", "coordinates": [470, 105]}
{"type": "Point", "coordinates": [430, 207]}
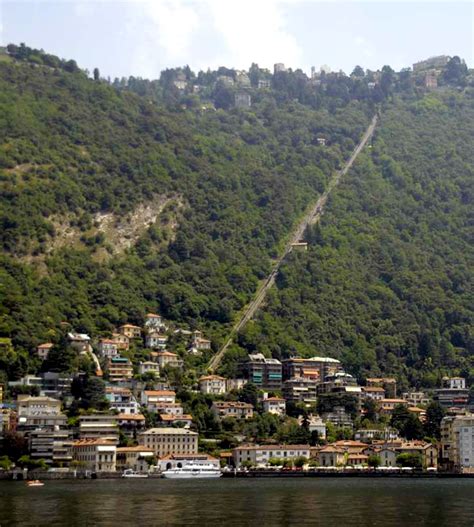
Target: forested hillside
{"type": "Point", "coordinates": [234, 182]}
{"type": "Point", "coordinates": [387, 283]}
{"type": "Point", "coordinates": [121, 198]}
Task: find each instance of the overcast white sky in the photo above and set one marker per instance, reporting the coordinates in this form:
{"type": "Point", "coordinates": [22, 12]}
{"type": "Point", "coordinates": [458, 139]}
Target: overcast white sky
{"type": "Point", "coordinates": [142, 37]}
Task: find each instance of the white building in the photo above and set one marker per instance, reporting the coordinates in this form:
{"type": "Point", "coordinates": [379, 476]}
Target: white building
{"type": "Point", "coordinates": [156, 340]}
{"type": "Point", "coordinates": [154, 322]}
{"type": "Point", "coordinates": [457, 443]}
{"type": "Point", "coordinates": [149, 367]}
{"type": "Point", "coordinates": [212, 384]}
{"type": "Point", "coordinates": [28, 405]}
{"type": "Point", "coordinates": [96, 455]}
{"type": "Point", "coordinates": [43, 350]}
{"type": "Point", "coordinates": [274, 405]}
{"type": "Point", "coordinates": [152, 397]}
{"type": "Point", "coordinates": [108, 348]}
{"type": "Point", "coordinates": [261, 454]}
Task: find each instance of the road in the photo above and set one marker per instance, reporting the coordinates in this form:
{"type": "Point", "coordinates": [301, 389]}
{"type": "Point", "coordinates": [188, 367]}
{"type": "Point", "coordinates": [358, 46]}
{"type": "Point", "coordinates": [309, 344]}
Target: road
{"type": "Point", "coordinates": [311, 217]}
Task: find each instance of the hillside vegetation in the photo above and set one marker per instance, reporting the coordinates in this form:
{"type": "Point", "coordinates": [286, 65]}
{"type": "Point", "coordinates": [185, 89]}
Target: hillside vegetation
{"type": "Point", "coordinates": [121, 198]}
{"type": "Point", "coordinates": [73, 148]}
{"type": "Point", "coordinates": [387, 284]}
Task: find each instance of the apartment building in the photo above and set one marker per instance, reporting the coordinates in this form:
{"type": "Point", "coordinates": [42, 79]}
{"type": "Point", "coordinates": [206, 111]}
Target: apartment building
{"type": "Point", "coordinates": [167, 440]}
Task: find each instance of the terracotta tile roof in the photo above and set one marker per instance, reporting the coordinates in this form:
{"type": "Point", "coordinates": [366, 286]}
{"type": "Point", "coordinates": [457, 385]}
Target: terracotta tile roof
{"type": "Point", "coordinates": [168, 417]}
{"type": "Point", "coordinates": [273, 447]}
{"type": "Point", "coordinates": [138, 448]}
{"type": "Point", "coordinates": [93, 442]}
{"type": "Point", "coordinates": [130, 417]}
{"type": "Point", "coordinates": [211, 378]}
{"type": "Point", "coordinates": [159, 392]}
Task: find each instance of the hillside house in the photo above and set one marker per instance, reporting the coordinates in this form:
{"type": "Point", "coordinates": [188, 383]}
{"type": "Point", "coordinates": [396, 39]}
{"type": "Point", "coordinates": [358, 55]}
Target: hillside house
{"type": "Point", "coordinates": [81, 342]}
{"type": "Point", "coordinates": [120, 369]}
{"type": "Point", "coordinates": [223, 409]}
{"type": "Point", "coordinates": [155, 340]}
{"type": "Point", "coordinates": [43, 350]}
{"type": "Point", "coordinates": [153, 322]}
{"type": "Point", "coordinates": [108, 348]}
{"type": "Point", "coordinates": [130, 331]}
{"type": "Point", "coordinates": [274, 405]}
{"type": "Point", "coordinates": [121, 341]}
{"type": "Point", "coordinates": [166, 358]}
{"type": "Point", "coordinates": [212, 384]}
{"type": "Point", "coordinates": [149, 367]}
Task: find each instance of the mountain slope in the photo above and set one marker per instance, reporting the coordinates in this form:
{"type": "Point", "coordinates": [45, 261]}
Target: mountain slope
{"type": "Point", "coordinates": [387, 284]}
{"type": "Point", "coordinates": [73, 150]}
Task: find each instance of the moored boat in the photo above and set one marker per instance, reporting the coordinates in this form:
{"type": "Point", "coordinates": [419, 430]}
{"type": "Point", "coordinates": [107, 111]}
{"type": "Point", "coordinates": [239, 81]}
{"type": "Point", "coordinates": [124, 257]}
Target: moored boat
{"type": "Point", "coordinates": [34, 483]}
{"type": "Point", "coordinates": [193, 470]}
{"type": "Point", "coordinates": [129, 473]}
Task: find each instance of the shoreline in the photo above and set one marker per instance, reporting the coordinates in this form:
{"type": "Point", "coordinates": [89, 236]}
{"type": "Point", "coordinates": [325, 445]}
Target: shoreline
{"type": "Point", "coordinates": [70, 476]}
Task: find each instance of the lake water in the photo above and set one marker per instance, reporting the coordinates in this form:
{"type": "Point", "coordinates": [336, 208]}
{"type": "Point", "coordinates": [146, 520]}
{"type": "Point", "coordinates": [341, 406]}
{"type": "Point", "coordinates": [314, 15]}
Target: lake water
{"type": "Point", "coordinates": [329, 502]}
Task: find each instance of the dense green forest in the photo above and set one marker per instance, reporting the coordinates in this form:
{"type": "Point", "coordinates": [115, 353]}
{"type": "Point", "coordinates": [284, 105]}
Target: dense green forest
{"type": "Point", "coordinates": [387, 284]}
{"type": "Point", "coordinates": [72, 148]}
{"type": "Point", "coordinates": [384, 285]}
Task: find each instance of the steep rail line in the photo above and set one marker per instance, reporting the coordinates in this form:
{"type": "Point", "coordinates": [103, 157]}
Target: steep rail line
{"type": "Point", "coordinates": [311, 217]}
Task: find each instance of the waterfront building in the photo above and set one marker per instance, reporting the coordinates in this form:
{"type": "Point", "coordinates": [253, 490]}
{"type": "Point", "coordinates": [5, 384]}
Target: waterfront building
{"type": "Point", "coordinates": [54, 446]}
{"type": "Point", "coordinates": [99, 426]}
{"type": "Point", "coordinates": [457, 443]}
{"type": "Point", "coordinates": [136, 458]}
{"type": "Point", "coordinates": [168, 440]}
{"type": "Point", "coordinates": [131, 424]}
{"type": "Point", "coordinates": [96, 455]}
{"type": "Point", "coordinates": [260, 455]}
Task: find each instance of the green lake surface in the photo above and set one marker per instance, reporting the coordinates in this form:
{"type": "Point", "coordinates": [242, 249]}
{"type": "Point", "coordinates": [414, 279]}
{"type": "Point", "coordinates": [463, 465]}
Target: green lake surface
{"type": "Point", "coordinates": [329, 502]}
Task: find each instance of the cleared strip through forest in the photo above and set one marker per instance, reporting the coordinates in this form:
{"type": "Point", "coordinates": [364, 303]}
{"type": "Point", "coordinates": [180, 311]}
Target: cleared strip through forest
{"type": "Point", "coordinates": [312, 217]}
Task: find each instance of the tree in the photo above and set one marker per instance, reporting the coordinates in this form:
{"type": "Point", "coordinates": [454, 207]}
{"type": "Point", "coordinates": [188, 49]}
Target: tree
{"type": "Point", "coordinates": [5, 463]}
{"type": "Point", "coordinates": [300, 461]}
{"type": "Point", "coordinates": [28, 462]}
{"type": "Point", "coordinates": [434, 414]}
{"type": "Point", "coordinates": [249, 394]}
{"type": "Point", "coordinates": [96, 74]}
{"type": "Point", "coordinates": [455, 71]}
{"type": "Point", "coordinates": [370, 410]}
{"type": "Point", "coordinates": [406, 423]}
{"type": "Point", "coordinates": [409, 460]}
{"type": "Point", "coordinates": [374, 461]}
{"type": "Point", "coordinates": [358, 72]}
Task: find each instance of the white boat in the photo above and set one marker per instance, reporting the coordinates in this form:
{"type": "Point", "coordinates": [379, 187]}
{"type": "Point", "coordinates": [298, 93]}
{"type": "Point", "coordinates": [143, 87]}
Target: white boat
{"type": "Point", "coordinates": [193, 470]}
{"type": "Point", "coordinates": [34, 483]}
{"type": "Point", "coordinates": [129, 473]}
